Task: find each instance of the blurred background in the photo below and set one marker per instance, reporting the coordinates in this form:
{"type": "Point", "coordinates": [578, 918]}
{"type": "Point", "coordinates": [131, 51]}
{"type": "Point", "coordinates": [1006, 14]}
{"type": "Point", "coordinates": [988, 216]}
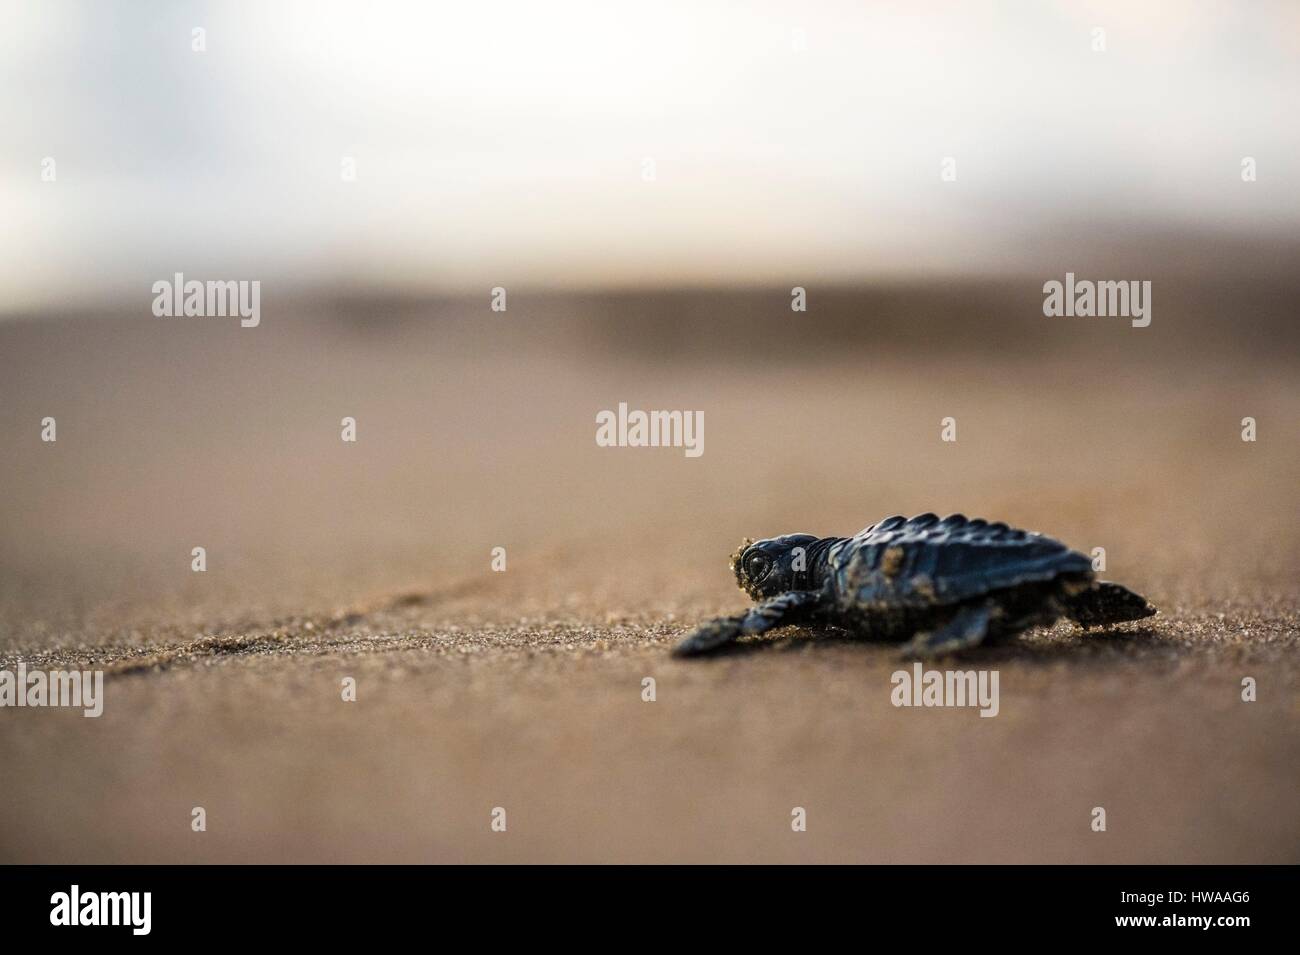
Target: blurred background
{"type": "Point", "coordinates": [502, 143]}
{"type": "Point", "coordinates": [648, 183]}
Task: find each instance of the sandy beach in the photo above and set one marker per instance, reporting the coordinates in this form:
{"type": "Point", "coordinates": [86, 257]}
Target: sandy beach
{"type": "Point", "coordinates": [523, 689]}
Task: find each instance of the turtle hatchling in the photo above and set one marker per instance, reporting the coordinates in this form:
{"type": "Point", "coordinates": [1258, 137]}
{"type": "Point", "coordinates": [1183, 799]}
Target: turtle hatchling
{"type": "Point", "coordinates": [939, 586]}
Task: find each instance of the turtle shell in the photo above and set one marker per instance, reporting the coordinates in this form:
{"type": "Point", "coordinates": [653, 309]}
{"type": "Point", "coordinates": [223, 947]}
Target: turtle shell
{"type": "Point", "coordinates": [927, 562]}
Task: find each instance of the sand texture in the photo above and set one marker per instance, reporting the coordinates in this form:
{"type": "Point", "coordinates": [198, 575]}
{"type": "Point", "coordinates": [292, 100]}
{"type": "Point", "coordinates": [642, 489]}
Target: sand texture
{"type": "Point", "coordinates": [523, 689]}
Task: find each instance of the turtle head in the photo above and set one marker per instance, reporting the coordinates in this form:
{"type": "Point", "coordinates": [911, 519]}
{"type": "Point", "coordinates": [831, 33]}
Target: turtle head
{"type": "Point", "coordinates": [769, 567]}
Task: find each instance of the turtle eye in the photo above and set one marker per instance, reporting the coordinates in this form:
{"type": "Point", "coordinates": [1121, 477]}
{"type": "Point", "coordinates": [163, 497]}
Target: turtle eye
{"type": "Point", "coordinates": [758, 566]}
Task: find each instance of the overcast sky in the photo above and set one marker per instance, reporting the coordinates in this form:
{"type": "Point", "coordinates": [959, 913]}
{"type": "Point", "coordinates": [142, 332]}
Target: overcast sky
{"type": "Point", "coordinates": [500, 143]}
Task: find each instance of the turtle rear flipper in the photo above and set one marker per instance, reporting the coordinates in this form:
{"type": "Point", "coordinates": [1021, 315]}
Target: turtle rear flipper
{"type": "Point", "coordinates": [1106, 603]}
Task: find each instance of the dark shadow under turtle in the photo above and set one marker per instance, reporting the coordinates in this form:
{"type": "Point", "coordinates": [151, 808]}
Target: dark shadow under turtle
{"type": "Point", "coordinates": [939, 586]}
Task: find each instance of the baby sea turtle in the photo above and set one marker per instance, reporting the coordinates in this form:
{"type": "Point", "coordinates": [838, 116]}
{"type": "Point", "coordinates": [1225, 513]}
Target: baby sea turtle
{"type": "Point", "coordinates": [941, 585]}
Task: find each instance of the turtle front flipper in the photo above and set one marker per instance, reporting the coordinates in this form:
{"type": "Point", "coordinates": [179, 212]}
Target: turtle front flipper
{"type": "Point", "coordinates": [797, 606]}
{"type": "Point", "coordinates": [966, 628]}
